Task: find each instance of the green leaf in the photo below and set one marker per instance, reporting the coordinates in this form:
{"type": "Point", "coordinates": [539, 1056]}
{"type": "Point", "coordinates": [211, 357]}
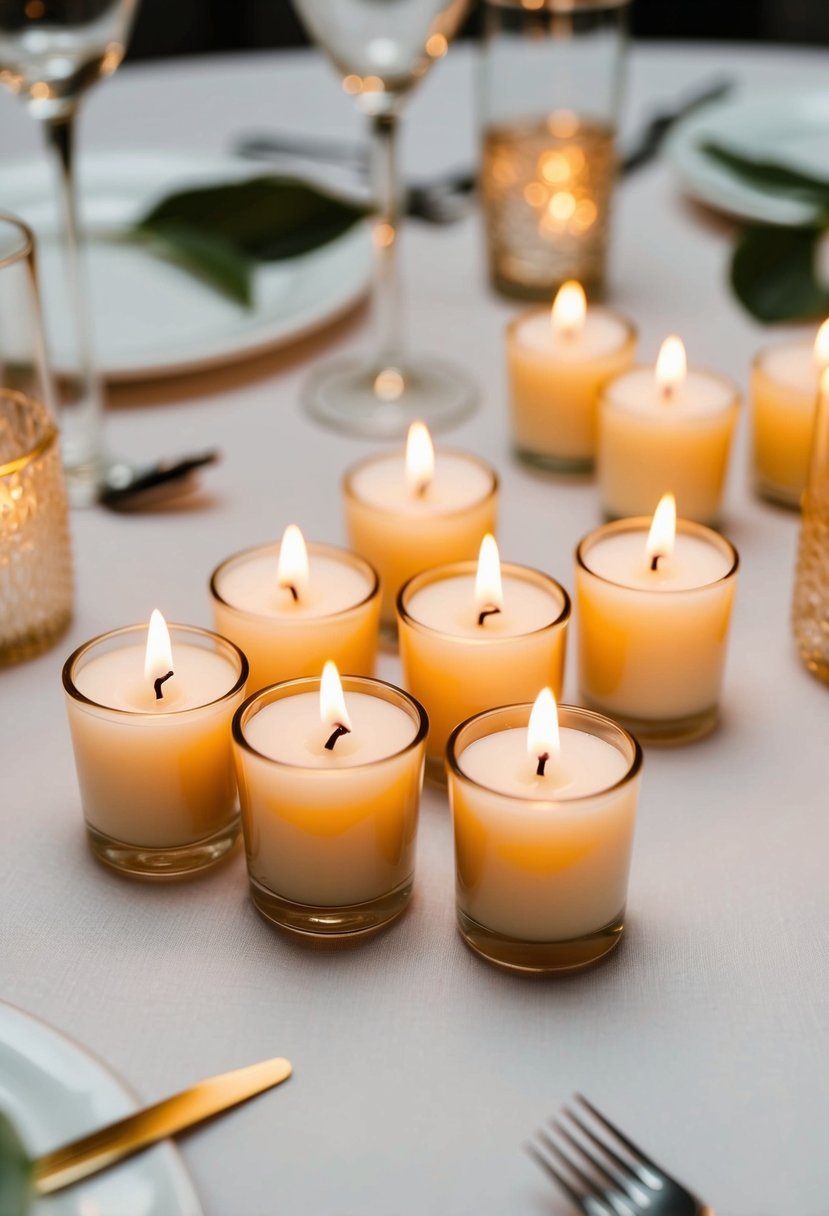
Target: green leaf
{"type": "Point", "coordinates": [773, 273]}
{"type": "Point", "coordinates": [15, 1171]}
{"type": "Point", "coordinates": [218, 232]}
{"type": "Point", "coordinates": [217, 261]}
{"type": "Point", "coordinates": [268, 218]}
{"type": "Point", "coordinates": [770, 176]}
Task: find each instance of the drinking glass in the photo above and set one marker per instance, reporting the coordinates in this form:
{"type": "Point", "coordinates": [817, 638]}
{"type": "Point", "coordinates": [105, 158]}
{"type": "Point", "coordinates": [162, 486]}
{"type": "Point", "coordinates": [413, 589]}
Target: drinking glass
{"type": "Point", "coordinates": [51, 52]}
{"type": "Point", "coordinates": [551, 84]}
{"type": "Point", "coordinates": [35, 560]}
{"type": "Point", "coordinates": [382, 48]}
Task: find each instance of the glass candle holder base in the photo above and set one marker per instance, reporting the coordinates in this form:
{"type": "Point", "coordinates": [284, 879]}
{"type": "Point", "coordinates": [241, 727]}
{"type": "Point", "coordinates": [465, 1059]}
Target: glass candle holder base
{"type": "Point", "coordinates": [435, 770]}
{"type": "Point", "coordinates": [174, 861]}
{"type": "Point", "coordinates": [554, 464]}
{"type": "Point", "coordinates": [781, 496]}
{"type": "Point", "coordinates": [540, 958]}
{"type": "Point", "coordinates": [381, 401]}
{"type": "Point", "coordinates": [330, 923]}
{"type": "Point", "coordinates": [663, 732]}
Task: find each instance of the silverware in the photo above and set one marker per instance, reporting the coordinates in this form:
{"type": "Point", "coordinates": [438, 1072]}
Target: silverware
{"type": "Point", "coordinates": [584, 1159]}
{"type": "Point", "coordinates": [647, 145]}
{"type": "Point", "coordinates": [127, 488]}
{"type": "Point", "coordinates": [118, 1140]}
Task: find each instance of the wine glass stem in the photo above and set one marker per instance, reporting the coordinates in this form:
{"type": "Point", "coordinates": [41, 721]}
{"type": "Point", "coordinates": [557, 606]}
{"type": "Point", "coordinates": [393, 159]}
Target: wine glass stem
{"type": "Point", "coordinates": [387, 300]}
{"type": "Point", "coordinates": [80, 391]}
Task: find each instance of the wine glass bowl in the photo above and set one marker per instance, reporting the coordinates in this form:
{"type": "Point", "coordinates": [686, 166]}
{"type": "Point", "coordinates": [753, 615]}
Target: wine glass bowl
{"type": "Point", "coordinates": [382, 48]}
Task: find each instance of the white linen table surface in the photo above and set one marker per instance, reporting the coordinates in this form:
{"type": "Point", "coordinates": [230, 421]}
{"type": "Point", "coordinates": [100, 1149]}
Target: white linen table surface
{"type": "Point", "coordinates": [419, 1070]}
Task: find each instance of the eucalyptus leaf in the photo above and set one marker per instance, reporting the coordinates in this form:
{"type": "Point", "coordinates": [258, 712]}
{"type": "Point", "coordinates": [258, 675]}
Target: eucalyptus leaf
{"type": "Point", "coordinates": [773, 273]}
{"type": "Point", "coordinates": [15, 1171]}
{"type": "Point", "coordinates": [770, 176]}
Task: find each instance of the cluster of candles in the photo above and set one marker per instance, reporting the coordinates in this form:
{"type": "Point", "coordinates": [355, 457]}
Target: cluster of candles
{"type": "Point", "coordinates": [329, 770]}
{"type": "Point", "coordinates": [578, 401]}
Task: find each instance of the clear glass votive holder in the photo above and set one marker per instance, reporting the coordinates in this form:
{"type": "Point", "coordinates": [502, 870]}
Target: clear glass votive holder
{"type": "Point", "coordinates": [783, 414]}
{"type": "Point", "coordinates": [550, 93]}
{"type": "Point", "coordinates": [330, 849]}
{"type": "Point", "coordinates": [286, 645]}
{"type": "Point", "coordinates": [157, 785]}
{"type": "Point", "coordinates": [654, 658]}
{"type": "Point", "coordinates": [645, 449]}
{"type": "Point", "coordinates": [455, 675]}
{"type": "Point", "coordinates": [401, 542]}
{"type": "Point", "coordinates": [542, 884]}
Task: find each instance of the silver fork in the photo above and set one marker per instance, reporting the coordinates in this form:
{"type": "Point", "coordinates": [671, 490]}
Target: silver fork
{"type": "Point", "coordinates": [599, 1179]}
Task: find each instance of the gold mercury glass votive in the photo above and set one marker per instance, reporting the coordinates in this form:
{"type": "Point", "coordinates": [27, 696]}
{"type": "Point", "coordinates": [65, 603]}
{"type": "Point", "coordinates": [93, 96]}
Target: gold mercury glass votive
{"type": "Point", "coordinates": [330, 837]}
{"type": "Point", "coordinates": [458, 669]}
{"type": "Point", "coordinates": [35, 557]}
{"type": "Point", "coordinates": [542, 881]}
{"type": "Point", "coordinates": [157, 783]}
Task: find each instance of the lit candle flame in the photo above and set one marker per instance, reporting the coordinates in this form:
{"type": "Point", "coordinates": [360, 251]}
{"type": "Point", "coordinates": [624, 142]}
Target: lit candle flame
{"type": "Point", "coordinates": [569, 309]}
{"type": "Point", "coordinates": [420, 458]}
{"type": "Point", "coordinates": [543, 740]}
{"type": "Point", "coordinates": [158, 657]}
{"type": "Point", "coordinates": [662, 534]}
{"type": "Point", "coordinates": [333, 713]}
{"type": "Point", "coordinates": [292, 570]}
{"type": "Point", "coordinates": [671, 365]}
{"type": "Point", "coordinates": [489, 592]}
{"type": "Point", "coordinates": [821, 346]}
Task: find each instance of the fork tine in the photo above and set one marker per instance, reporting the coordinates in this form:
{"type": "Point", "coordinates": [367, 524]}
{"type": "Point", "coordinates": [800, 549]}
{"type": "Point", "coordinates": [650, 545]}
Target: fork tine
{"type": "Point", "coordinates": [625, 1168]}
{"type": "Point", "coordinates": [594, 1161]}
{"type": "Point", "coordinates": [626, 1177]}
{"type": "Point", "coordinates": [658, 1174]}
{"type": "Point", "coordinates": [585, 1203]}
{"type": "Point", "coordinates": [588, 1183]}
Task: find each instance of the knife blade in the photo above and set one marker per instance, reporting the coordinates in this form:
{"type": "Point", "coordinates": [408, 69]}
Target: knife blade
{"type": "Point", "coordinates": [112, 1143]}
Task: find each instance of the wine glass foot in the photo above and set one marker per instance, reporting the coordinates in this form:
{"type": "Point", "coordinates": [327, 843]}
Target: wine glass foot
{"type": "Point", "coordinates": [380, 401]}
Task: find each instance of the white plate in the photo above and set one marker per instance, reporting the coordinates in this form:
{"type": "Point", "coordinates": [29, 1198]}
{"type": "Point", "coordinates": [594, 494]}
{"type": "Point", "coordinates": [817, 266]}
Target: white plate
{"type": "Point", "coordinates": [789, 127]}
{"type": "Point", "coordinates": [54, 1092]}
{"type": "Point", "coordinates": [150, 317]}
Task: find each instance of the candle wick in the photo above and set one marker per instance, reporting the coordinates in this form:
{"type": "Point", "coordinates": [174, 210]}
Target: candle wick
{"type": "Point", "coordinates": [421, 488]}
{"type": "Point", "coordinates": [337, 733]}
{"type": "Point", "coordinates": [157, 685]}
{"type": "Point", "coordinates": [485, 612]}
{"type": "Point", "coordinates": [542, 764]}
{"type": "Point", "coordinates": [667, 392]}
{"type": "Point", "coordinates": [294, 593]}
{"type": "Point", "coordinates": [655, 561]}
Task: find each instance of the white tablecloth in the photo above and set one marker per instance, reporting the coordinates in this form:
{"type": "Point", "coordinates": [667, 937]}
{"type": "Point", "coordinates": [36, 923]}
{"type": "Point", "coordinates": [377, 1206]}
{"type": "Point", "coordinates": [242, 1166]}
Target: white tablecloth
{"type": "Point", "coordinates": [420, 1070]}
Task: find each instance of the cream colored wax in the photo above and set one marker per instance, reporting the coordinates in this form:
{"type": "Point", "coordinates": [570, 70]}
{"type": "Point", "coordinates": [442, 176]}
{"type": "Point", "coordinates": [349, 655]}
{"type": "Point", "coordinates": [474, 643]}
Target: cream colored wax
{"type": "Point", "coordinates": [401, 530]}
{"type": "Point", "coordinates": [155, 773]}
{"type": "Point", "coordinates": [784, 393]}
{"type": "Point", "coordinates": [335, 827]}
{"type": "Point", "coordinates": [543, 858]}
{"type": "Point", "coordinates": [457, 667]}
{"type": "Point", "coordinates": [555, 374]}
{"type": "Point", "coordinates": [335, 614]}
{"type": "Point", "coordinates": [651, 437]}
{"type": "Point", "coordinates": [652, 643]}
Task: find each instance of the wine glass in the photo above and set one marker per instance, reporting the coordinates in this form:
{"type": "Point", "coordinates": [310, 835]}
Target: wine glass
{"type": "Point", "coordinates": [382, 48]}
{"type": "Point", "coordinates": [51, 52]}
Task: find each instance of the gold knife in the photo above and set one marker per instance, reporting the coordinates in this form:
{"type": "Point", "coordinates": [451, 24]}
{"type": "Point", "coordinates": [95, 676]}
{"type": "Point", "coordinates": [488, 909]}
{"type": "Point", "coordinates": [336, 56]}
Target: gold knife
{"type": "Point", "coordinates": [118, 1140]}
